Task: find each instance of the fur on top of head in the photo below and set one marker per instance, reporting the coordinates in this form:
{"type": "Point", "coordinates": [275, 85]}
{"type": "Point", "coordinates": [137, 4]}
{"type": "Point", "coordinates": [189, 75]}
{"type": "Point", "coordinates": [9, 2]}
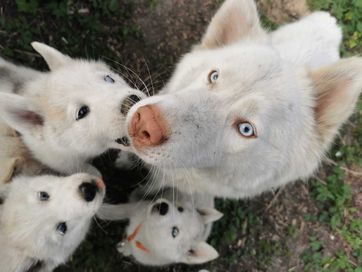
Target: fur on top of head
{"type": "Point", "coordinates": [70, 114]}
{"type": "Point", "coordinates": [247, 111]}
{"type": "Point", "coordinates": [46, 217]}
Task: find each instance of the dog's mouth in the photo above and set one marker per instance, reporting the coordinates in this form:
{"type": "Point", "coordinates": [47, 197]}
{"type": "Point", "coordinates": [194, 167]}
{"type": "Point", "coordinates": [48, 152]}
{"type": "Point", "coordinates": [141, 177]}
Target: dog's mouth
{"type": "Point", "coordinates": [123, 141]}
{"type": "Point", "coordinates": [129, 102]}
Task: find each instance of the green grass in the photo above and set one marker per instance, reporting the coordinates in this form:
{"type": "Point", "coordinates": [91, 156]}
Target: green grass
{"type": "Point", "coordinates": [253, 234]}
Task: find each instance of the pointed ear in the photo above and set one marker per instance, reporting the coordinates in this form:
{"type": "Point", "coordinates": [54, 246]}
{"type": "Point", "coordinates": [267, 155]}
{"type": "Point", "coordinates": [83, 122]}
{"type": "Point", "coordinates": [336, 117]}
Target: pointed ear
{"type": "Point", "coordinates": [337, 88]}
{"type": "Point", "coordinates": [209, 215]}
{"type": "Point", "coordinates": [201, 253]}
{"type": "Point", "coordinates": [52, 57]}
{"type": "Point", "coordinates": [20, 113]}
{"type": "Point", "coordinates": [236, 19]}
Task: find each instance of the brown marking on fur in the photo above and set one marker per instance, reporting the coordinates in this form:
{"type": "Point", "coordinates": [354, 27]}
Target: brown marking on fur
{"type": "Point", "coordinates": [52, 112]}
{"type": "Point", "coordinates": [140, 246]}
{"type": "Point", "coordinates": [15, 158]}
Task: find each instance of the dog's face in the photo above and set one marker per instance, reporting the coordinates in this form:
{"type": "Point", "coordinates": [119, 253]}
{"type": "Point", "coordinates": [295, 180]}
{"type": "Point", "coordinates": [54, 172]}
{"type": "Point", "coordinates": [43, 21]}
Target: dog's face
{"type": "Point", "coordinates": [241, 111]}
{"type": "Point", "coordinates": [47, 216]}
{"type": "Point", "coordinates": [78, 107]}
{"type": "Point", "coordinates": [225, 114]}
{"type": "Point", "coordinates": [173, 233]}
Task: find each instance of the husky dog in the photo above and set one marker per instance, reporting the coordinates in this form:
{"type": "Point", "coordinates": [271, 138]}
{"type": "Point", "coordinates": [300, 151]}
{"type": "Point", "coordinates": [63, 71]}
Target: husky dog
{"type": "Point", "coordinates": [43, 219]}
{"type": "Point", "coordinates": [69, 115]}
{"type": "Point", "coordinates": [170, 229]}
{"type": "Point", "coordinates": [247, 111]}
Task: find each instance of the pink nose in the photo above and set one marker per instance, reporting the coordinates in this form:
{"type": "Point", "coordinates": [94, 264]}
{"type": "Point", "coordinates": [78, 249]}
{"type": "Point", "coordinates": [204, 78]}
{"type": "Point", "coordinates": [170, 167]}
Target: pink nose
{"type": "Point", "coordinates": [148, 127]}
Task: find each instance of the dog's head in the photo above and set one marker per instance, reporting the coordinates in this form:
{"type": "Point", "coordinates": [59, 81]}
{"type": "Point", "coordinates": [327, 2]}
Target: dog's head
{"type": "Point", "coordinates": [78, 107]}
{"type": "Point", "coordinates": [236, 108]}
{"type": "Point", "coordinates": [174, 233]}
{"type": "Point", "coordinates": [47, 216]}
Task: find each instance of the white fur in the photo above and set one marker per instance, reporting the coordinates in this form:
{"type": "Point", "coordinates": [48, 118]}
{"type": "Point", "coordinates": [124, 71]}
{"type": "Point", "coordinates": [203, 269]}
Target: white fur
{"type": "Point", "coordinates": [28, 226]}
{"type": "Point", "coordinates": [155, 233]}
{"type": "Point", "coordinates": [270, 80]}
{"type": "Point", "coordinates": [60, 141]}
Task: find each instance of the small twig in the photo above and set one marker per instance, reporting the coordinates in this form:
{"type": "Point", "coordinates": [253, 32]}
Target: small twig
{"type": "Point", "coordinates": [354, 173]}
{"type": "Point", "coordinates": [27, 53]}
{"type": "Point", "coordinates": [274, 199]}
{"type": "Point", "coordinates": [320, 180]}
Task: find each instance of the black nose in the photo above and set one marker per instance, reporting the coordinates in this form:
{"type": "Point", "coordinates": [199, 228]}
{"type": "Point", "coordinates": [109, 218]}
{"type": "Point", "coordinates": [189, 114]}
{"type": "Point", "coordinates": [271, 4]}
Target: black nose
{"type": "Point", "coordinates": [88, 190]}
{"type": "Point", "coordinates": [161, 208]}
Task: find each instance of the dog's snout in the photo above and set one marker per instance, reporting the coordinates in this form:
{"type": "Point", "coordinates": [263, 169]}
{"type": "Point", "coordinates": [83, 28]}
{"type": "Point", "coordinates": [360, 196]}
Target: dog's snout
{"type": "Point", "coordinates": [88, 190]}
{"type": "Point", "coordinates": [161, 208]}
{"type": "Point", "coordinates": [128, 102]}
{"type": "Point", "coordinates": [148, 127]}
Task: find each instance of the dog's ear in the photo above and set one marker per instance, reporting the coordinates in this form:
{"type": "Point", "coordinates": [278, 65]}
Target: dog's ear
{"type": "Point", "coordinates": [20, 113]}
{"type": "Point", "coordinates": [209, 215]}
{"type": "Point", "coordinates": [236, 19]}
{"type": "Point", "coordinates": [52, 57]}
{"type": "Point", "coordinates": [337, 88]}
{"type": "Point", "coordinates": [200, 253]}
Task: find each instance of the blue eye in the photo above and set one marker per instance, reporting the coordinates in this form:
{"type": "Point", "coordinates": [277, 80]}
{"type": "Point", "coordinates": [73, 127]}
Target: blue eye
{"type": "Point", "coordinates": [62, 228]}
{"type": "Point", "coordinates": [246, 129]}
{"type": "Point", "coordinates": [213, 76]}
{"type": "Point", "coordinates": [109, 79]}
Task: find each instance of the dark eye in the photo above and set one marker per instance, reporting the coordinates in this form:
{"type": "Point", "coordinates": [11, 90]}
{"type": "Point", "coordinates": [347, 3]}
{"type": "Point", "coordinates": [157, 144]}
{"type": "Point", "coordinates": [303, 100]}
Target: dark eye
{"type": "Point", "coordinates": [246, 129]}
{"type": "Point", "coordinates": [83, 112]}
{"type": "Point", "coordinates": [108, 79]}
{"type": "Point", "coordinates": [175, 231]}
{"type": "Point", "coordinates": [62, 228]}
{"type": "Point", "coordinates": [213, 76]}
{"type": "Point", "coordinates": [180, 209]}
{"type": "Point", "coordinates": [43, 196]}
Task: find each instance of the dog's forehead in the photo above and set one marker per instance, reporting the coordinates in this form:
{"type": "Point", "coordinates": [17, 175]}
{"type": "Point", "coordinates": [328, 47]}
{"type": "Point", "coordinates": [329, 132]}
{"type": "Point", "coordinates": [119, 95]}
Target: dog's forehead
{"type": "Point", "coordinates": [237, 65]}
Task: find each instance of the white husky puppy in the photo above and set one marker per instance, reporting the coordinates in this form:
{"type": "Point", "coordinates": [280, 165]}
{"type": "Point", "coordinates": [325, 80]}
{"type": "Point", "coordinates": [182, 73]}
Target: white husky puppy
{"type": "Point", "coordinates": [247, 111]}
{"type": "Point", "coordinates": [69, 115]}
{"type": "Point", "coordinates": [43, 219]}
{"type": "Point", "coordinates": [170, 229]}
